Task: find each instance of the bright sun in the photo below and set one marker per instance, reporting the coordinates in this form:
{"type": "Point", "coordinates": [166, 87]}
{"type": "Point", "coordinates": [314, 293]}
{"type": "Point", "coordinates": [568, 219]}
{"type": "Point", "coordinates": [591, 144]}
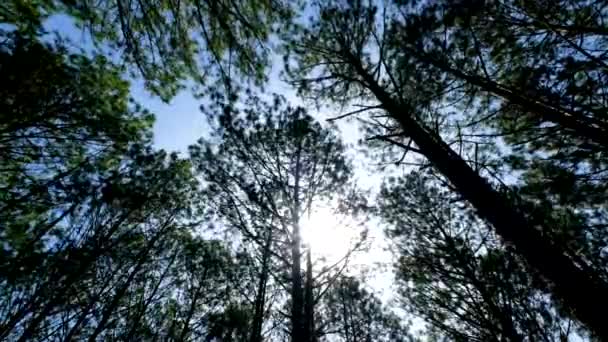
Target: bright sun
{"type": "Point", "coordinates": [328, 235]}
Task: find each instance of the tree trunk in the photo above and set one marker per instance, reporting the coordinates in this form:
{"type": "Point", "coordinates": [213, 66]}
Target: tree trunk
{"type": "Point", "coordinates": [189, 314]}
{"type": "Point", "coordinates": [86, 310]}
{"type": "Point", "coordinates": [309, 302]}
{"type": "Point", "coordinates": [345, 316]}
{"type": "Point", "coordinates": [504, 319]}
{"type": "Point", "coordinates": [142, 258]}
{"type": "Point", "coordinates": [297, 296]}
{"type": "Point", "coordinates": [296, 292]}
{"type": "Point", "coordinates": [60, 288]}
{"type": "Point", "coordinates": [120, 293]}
{"type": "Point", "coordinates": [260, 300]}
{"type": "Point", "coordinates": [577, 286]}
{"type": "Point", "coordinates": [144, 307]}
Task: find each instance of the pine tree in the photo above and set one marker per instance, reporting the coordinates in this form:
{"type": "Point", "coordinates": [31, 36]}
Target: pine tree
{"type": "Point", "coordinates": [273, 164]}
{"type": "Point", "coordinates": [170, 44]}
{"type": "Point", "coordinates": [353, 51]}
{"type": "Point", "coordinates": [452, 271]}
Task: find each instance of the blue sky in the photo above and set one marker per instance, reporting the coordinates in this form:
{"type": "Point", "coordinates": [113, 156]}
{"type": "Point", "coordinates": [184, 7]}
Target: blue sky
{"type": "Point", "coordinates": [179, 123]}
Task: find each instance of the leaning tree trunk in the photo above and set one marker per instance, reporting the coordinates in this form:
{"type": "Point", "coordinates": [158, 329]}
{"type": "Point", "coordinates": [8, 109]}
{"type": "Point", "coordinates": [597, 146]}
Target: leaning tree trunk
{"type": "Point", "coordinates": [576, 285]}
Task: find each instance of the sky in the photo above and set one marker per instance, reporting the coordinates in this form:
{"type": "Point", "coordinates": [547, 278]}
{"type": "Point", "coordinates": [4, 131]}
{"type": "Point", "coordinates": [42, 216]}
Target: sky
{"type": "Point", "coordinates": [179, 123]}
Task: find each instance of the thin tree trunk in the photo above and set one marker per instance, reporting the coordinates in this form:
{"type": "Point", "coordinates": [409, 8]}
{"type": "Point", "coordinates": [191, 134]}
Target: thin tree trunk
{"type": "Point", "coordinates": [505, 319]}
{"type": "Point", "coordinates": [57, 297]}
{"type": "Point", "coordinates": [309, 301]}
{"type": "Point", "coordinates": [109, 309]}
{"type": "Point", "coordinates": [297, 296]}
{"type": "Point", "coordinates": [86, 310]}
{"type": "Point", "coordinates": [577, 286]}
{"type": "Point", "coordinates": [345, 316]}
{"type": "Point", "coordinates": [186, 329]}
{"type": "Point", "coordinates": [144, 306]}
{"type": "Point", "coordinates": [260, 300]}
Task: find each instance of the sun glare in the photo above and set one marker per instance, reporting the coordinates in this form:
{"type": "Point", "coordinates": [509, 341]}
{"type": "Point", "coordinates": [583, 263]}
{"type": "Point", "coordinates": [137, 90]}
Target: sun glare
{"type": "Point", "coordinates": [328, 235]}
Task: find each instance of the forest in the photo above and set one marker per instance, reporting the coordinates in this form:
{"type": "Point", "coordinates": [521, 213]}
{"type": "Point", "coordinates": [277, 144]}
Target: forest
{"type": "Point", "coordinates": [464, 139]}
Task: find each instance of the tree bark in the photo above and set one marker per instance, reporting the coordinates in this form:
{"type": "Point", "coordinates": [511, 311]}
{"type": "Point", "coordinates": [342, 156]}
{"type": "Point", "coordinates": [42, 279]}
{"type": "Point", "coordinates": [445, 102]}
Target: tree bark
{"type": "Point", "coordinates": [309, 301]}
{"type": "Point", "coordinates": [577, 286]}
{"type": "Point", "coordinates": [297, 296]}
{"type": "Point", "coordinates": [58, 288]}
{"type": "Point", "coordinates": [260, 300]}
{"type": "Point", "coordinates": [142, 258]}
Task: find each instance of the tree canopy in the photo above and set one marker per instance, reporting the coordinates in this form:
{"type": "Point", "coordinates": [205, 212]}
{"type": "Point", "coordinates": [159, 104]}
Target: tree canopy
{"type": "Point", "coordinates": [170, 43]}
{"type": "Point", "coordinates": [480, 167]}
